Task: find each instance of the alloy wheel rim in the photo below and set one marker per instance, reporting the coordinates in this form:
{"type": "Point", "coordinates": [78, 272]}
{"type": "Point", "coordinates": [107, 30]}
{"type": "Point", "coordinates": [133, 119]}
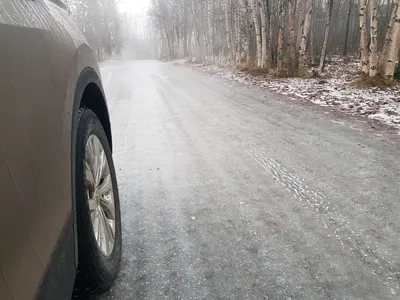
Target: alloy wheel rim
{"type": "Point", "coordinates": [100, 195]}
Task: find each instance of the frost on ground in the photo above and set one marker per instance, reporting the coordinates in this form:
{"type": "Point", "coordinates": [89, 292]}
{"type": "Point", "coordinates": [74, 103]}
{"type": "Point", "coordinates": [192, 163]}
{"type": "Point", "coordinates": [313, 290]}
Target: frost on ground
{"type": "Point", "coordinates": [335, 88]}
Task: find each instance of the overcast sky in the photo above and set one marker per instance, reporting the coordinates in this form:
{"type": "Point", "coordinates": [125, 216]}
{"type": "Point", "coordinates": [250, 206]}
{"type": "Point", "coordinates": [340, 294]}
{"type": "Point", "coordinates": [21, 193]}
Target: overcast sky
{"type": "Point", "coordinates": [134, 6]}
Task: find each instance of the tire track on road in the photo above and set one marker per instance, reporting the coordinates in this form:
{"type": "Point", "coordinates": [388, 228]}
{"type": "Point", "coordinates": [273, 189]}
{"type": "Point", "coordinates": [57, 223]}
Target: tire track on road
{"type": "Point", "coordinates": [360, 243]}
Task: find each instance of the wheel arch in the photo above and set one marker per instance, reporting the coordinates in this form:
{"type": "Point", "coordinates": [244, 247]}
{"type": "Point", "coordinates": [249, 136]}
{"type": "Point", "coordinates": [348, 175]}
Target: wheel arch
{"type": "Point", "coordinates": [88, 92]}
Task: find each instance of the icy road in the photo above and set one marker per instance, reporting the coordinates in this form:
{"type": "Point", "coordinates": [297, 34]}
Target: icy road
{"type": "Point", "coordinates": [229, 192]}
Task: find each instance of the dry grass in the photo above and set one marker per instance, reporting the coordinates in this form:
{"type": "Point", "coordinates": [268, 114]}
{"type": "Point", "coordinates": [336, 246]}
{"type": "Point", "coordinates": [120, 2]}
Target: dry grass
{"type": "Point", "coordinates": [258, 72]}
{"type": "Point", "coordinates": [306, 75]}
{"type": "Point", "coordinates": [377, 81]}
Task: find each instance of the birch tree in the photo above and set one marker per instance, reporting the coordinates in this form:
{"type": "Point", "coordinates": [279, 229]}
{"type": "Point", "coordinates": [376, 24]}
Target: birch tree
{"type": "Point", "coordinates": [326, 36]}
{"type": "Point", "coordinates": [210, 28]}
{"type": "Point", "coordinates": [246, 40]}
{"type": "Point", "coordinates": [292, 37]}
{"type": "Point", "coordinates": [284, 34]}
{"type": "Point", "coordinates": [280, 53]}
{"type": "Point", "coordinates": [393, 45]}
{"type": "Point", "coordinates": [254, 11]}
{"type": "Point", "coordinates": [388, 38]}
{"type": "Point", "coordinates": [228, 29]}
{"type": "Point", "coordinates": [238, 34]}
{"type": "Point", "coordinates": [373, 57]}
{"type": "Point", "coordinates": [304, 37]}
{"type": "Point", "coordinates": [264, 40]}
{"type": "Point", "coordinates": [270, 33]}
{"type": "Point", "coordinates": [363, 37]}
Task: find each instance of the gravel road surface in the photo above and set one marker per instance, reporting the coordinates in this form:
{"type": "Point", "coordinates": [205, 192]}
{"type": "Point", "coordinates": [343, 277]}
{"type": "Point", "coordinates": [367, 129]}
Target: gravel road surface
{"type": "Point", "coordinates": [231, 192]}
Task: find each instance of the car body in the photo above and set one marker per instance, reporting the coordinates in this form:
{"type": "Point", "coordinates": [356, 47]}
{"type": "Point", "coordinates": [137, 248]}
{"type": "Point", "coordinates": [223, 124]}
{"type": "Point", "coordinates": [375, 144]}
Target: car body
{"type": "Point", "coordinates": [47, 73]}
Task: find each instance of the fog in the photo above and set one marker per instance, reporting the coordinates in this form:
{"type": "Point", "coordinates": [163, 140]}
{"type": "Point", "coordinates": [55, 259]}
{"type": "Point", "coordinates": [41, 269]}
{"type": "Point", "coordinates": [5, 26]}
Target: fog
{"type": "Point", "coordinates": [115, 29]}
{"type": "Point", "coordinates": [282, 37]}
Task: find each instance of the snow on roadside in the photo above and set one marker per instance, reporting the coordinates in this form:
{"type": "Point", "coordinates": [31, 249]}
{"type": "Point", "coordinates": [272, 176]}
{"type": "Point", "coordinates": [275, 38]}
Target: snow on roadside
{"type": "Point", "coordinates": [335, 89]}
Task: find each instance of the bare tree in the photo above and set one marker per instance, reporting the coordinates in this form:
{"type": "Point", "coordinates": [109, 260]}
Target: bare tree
{"type": "Point", "coordinates": [210, 28]}
{"type": "Point", "coordinates": [246, 39]}
{"type": "Point", "coordinates": [227, 9]}
{"type": "Point", "coordinates": [363, 37]}
{"type": "Point", "coordinates": [286, 34]}
{"type": "Point", "coordinates": [304, 36]}
{"type": "Point", "coordinates": [280, 52]}
{"type": "Point", "coordinates": [238, 34]}
{"type": "Point", "coordinates": [270, 33]}
{"type": "Point", "coordinates": [393, 45]}
{"type": "Point", "coordinates": [264, 39]}
{"type": "Point", "coordinates": [388, 37]}
{"type": "Point", "coordinates": [373, 56]}
{"type": "Point", "coordinates": [326, 36]}
{"type": "Point", "coordinates": [292, 37]}
{"type": "Point", "coordinates": [255, 13]}
{"type": "Point", "coordinates": [346, 39]}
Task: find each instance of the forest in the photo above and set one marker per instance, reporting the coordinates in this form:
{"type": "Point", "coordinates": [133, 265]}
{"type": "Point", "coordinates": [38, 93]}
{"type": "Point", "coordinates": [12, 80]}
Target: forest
{"type": "Point", "coordinates": [342, 54]}
{"type": "Point", "coordinates": [284, 37]}
{"type": "Point", "coordinates": [101, 23]}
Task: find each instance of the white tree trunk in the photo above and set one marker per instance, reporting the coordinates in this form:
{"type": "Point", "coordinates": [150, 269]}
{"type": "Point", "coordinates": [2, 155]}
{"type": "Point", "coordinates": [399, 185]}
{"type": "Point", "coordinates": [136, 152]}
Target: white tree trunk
{"type": "Point", "coordinates": [270, 33]}
{"type": "Point", "coordinates": [292, 37]}
{"type": "Point", "coordinates": [393, 47]}
{"type": "Point", "coordinates": [246, 39]}
{"type": "Point", "coordinates": [280, 54]}
{"type": "Point", "coordinates": [388, 38]}
{"type": "Point", "coordinates": [189, 45]}
{"type": "Point", "coordinates": [363, 37]}
{"type": "Point", "coordinates": [264, 38]}
{"type": "Point", "coordinates": [228, 29]}
{"type": "Point", "coordinates": [373, 56]}
{"type": "Point", "coordinates": [210, 29]}
{"type": "Point", "coordinates": [254, 10]}
{"type": "Point", "coordinates": [312, 53]}
{"type": "Point", "coordinates": [247, 46]}
{"type": "Point", "coordinates": [304, 36]}
{"type": "Point", "coordinates": [326, 36]}
{"type": "Point", "coordinates": [238, 34]}
{"type": "Point", "coordinates": [301, 12]}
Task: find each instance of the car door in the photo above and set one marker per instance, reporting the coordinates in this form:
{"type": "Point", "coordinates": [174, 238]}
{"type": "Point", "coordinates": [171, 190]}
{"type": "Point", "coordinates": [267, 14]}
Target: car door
{"type": "Point", "coordinates": [35, 141]}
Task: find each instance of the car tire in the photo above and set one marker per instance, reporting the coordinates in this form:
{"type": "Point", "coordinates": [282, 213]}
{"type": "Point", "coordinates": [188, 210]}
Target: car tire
{"type": "Point", "coordinates": [97, 269]}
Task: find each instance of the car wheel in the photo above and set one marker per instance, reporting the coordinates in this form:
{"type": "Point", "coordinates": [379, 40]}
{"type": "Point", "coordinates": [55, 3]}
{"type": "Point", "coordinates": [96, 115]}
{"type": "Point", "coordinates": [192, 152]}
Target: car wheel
{"type": "Point", "coordinates": [97, 208]}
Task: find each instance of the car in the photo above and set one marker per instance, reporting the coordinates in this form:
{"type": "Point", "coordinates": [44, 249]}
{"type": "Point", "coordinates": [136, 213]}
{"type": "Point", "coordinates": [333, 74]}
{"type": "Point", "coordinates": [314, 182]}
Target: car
{"type": "Point", "coordinates": [60, 219]}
